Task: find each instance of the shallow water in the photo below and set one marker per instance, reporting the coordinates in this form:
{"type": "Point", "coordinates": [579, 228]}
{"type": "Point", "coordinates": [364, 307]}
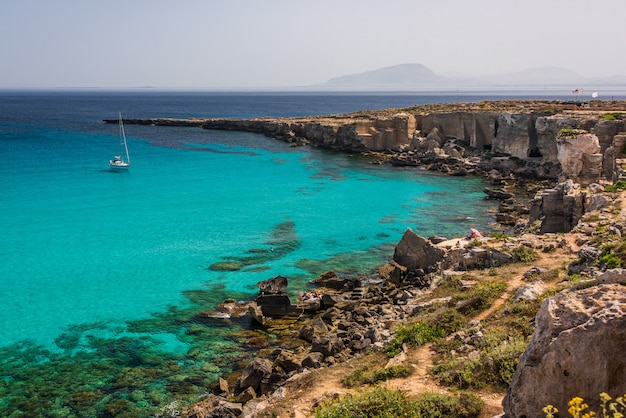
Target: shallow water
{"type": "Point", "coordinates": [103, 273]}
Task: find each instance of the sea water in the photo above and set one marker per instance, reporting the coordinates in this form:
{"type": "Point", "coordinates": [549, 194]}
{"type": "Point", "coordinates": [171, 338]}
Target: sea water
{"type": "Point", "coordinates": [92, 259]}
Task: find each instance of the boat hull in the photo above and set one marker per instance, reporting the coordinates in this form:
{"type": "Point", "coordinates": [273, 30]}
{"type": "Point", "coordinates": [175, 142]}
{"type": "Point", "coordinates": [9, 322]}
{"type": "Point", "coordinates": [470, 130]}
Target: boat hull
{"type": "Point", "coordinates": [116, 165]}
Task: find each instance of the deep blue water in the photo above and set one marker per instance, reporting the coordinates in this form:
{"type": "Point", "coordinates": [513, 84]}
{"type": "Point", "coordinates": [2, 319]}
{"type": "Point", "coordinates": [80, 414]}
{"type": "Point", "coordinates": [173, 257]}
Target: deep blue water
{"type": "Point", "coordinates": [87, 251]}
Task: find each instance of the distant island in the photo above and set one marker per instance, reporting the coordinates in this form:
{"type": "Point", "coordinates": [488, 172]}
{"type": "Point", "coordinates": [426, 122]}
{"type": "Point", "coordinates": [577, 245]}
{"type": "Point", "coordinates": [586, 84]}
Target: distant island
{"type": "Point", "coordinates": [411, 77]}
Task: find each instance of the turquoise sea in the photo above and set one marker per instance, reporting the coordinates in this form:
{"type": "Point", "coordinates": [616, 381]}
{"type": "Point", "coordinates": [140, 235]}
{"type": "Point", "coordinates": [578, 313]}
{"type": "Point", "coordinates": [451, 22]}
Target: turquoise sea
{"type": "Point", "coordinates": [102, 273]}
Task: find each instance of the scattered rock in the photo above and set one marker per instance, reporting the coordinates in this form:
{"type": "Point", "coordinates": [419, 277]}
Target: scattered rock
{"type": "Point", "coordinates": [529, 292]}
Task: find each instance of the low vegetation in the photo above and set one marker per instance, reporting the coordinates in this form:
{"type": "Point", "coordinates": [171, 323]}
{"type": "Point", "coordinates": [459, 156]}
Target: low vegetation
{"type": "Point", "coordinates": [619, 185]}
{"type": "Point", "coordinates": [416, 333]}
{"type": "Point", "coordinates": [366, 376]}
{"type": "Point", "coordinates": [611, 116]}
{"type": "Point", "coordinates": [569, 132]}
{"type": "Point", "coordinates": [385, 403]}
{"type": "Point", "coordinates": [491, 362]}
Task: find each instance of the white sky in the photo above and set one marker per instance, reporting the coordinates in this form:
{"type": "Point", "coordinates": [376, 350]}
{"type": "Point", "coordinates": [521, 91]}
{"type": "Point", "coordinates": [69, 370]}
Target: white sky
{"type": "Point", "coordinates": [285, 43]}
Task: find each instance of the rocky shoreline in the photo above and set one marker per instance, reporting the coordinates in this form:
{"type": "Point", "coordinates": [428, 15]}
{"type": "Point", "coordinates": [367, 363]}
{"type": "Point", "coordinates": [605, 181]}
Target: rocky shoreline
{"type": "Point", "coordinates": [527, 145]}
{"type": "Point", "coordinates": [562, 155]}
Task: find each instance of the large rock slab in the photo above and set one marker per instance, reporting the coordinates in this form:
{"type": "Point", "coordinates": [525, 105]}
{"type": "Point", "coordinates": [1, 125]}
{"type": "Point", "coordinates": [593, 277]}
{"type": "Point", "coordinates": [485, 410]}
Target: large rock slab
{"type": "Point", "coordinates": [580, 157]}
{"type": "Point", "coordinates": [254, 373]}
{"type": "Point", "coordinates": [515, 134]}
{"type": "Point", "coordinates": [415, 252]}
{"type": "Point", "coordinates": [577, 350]}
{"type": "Point", "coordinates": [559, 209]}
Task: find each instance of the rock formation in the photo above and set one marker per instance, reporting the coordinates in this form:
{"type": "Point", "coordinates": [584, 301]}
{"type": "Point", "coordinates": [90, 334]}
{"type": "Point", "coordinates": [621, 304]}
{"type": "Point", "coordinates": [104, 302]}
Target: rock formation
{"type": "Point", "coordinates": [576, 350]}
{"type": "Point", "coordinates": [579, 156]}
{"type": "Point", "coordinates": [416, 253]}
{"type": "Point", "coordinates": [558, 209]}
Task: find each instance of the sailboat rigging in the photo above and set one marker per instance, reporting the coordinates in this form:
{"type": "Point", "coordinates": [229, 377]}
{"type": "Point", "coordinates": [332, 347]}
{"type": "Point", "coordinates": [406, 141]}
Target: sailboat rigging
{"type": "Point", "coordinates": [118, 162]}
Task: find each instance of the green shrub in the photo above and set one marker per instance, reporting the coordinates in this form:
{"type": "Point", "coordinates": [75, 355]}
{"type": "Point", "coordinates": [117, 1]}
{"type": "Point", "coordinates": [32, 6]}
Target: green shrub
{"type": "Point", "coordinates": [363, 376]}
{"type": "Point", "coordinates": [413, 334]}
{"type": "Point", "coordinates": [524, 254]}
{"type": "Point", "coordinates": [494, 365]}
{"type": "Point", "coordinates": [480, 297]}
{"type": "Point", "coordinates": [613, 255]}
{"type": "Point", "coordinates": [465, 405]}
{"type": "Point", "coordinates": [376, 403]}
{"type": "Point", "coordinates": [384, 403]}
{"type": "Point", "coordinates": [569, 132]}
{"type": "Point", "coordinates": [498, 235]}
{"type": "Point", "coordinates": [611, 261]}
{"type": "Point", "coordinates": [611, 116]}
{"type": "Point", "coordinates": [619, 185]}
{"type": "Point", "coordinates": [420, 332]}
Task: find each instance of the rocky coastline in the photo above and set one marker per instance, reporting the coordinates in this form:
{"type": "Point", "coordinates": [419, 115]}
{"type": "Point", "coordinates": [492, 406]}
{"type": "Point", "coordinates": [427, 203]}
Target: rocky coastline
{"type": "Point", "coordinates": [556, 169]}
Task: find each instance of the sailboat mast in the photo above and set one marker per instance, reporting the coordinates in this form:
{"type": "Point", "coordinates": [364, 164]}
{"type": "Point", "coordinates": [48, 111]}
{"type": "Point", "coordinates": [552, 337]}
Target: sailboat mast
{"type": "Point", "coordinates": [123, 141]}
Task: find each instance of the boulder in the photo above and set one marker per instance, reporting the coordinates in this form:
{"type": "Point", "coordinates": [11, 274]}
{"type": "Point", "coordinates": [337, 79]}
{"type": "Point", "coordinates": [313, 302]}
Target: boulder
{"type": "Point", "coordinates": [314, 329]}
{"type": "Point", "coordinates": [529, 292]}
{"type": "Point", "coordinates": [580, 157]}
{"type": "Point", "coordinates": [499, 194]}
{"type": "Point", "coordinates": [576, 350]}
{"type": "Point", "coordinates": [559, 209]}
{"type": "Point", "coordinates": [273, 286]}
{"type": "Point", "coordinates": [415, 252]}
{"type": "Point", "coordinates": [288, 361]}
{"type": "Point", "coordinates": [467, 258]}
{"type": "Point", "coordinates": [252, 375]}
{"type": "Point", "coordinates": [437, 137]}
{"type": "Point", "coordinates": [328, 346]}
{"type": "Point", "coordinates": [606, 130]}
{"type": "Point", "coordinates": [313, 360]}
{"type": "Point", "coordinates": [392, 272]}
{"type": "Point", "coordinates": [326, 277]}
{"type": "Point", "coordinates": [273, 304]}
{"type": "Point", "coordinates": [256, 313]}
{"type": "Point", "coordinates": [226, 410]}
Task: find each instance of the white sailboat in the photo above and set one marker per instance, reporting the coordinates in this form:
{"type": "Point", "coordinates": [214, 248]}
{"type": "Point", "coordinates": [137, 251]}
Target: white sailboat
{"type": "Point", "coordinates": [118, 162]}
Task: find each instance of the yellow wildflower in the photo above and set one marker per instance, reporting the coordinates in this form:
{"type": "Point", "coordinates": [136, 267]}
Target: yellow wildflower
{"type": "Point", "coordinates": [550, 410]}
{"type": "Point", "coordinates": [576, 406]}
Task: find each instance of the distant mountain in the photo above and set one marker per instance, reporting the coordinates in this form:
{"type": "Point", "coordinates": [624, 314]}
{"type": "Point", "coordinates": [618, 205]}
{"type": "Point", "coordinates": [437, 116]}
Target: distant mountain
{"type": "Point", "coordinates": [398, 77]}
{"type": "Point", "coordinates": [407, 77]}
{"type": "Point", "coordinates": [404, 75]}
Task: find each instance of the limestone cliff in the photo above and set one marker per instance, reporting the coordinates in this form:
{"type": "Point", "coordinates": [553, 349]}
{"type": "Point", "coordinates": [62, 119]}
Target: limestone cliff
{"type": "Point", "coordinates": [526, 131]}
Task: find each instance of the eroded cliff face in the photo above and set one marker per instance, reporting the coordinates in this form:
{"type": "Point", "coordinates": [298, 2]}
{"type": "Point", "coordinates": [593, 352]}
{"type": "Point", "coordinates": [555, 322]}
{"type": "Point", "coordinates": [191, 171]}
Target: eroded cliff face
{"type": "Point", "coordinates": [477, 129]}
{"type": "Point", "coordinates": [526, 131]}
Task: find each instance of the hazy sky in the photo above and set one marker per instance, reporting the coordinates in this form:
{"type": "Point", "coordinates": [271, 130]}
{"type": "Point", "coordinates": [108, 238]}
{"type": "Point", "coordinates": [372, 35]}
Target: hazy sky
{"type": "Point", "coordinates": [284, 43]}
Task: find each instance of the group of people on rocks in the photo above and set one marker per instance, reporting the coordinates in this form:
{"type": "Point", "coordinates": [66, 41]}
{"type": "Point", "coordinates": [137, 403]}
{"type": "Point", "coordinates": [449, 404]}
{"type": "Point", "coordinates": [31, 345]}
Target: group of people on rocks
{"type": "Point", "coordinates": [312, 295]}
